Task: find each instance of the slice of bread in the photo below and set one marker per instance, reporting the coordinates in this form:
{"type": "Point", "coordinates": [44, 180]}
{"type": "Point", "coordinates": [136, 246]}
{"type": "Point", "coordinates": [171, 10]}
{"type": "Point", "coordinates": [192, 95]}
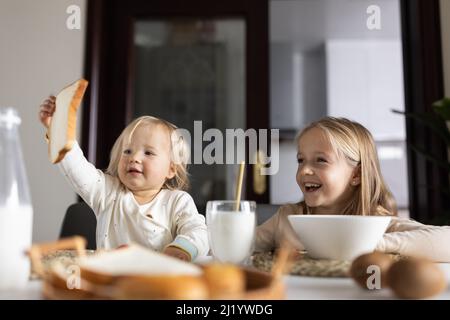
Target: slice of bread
{"type": "Point", "coordinates": [135, 260]}
{"type": "Point", "coordinates": [136, 272]}
{"type": "Point", "coordinates": [62, 130]}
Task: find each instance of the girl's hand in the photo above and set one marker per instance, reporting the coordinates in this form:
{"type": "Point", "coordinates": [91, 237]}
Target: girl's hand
{"type": "Point", "coordinates": [46, 110]}
{"type": "Point", "coordinates": [177, 253]}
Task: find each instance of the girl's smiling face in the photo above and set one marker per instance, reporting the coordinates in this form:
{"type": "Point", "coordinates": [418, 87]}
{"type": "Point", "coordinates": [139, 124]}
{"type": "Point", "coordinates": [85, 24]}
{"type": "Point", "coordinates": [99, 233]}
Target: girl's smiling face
{"type": "Point", "coordinates": [326, 178]}
{"type": "Point", "coordinates": [145, 162]}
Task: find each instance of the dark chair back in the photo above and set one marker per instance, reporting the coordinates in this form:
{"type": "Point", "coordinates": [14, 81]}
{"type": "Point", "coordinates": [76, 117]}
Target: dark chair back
{"type": "Point", "coordinates": [265, 211]}
{"type": "Point", "coordinates": [80, 220]}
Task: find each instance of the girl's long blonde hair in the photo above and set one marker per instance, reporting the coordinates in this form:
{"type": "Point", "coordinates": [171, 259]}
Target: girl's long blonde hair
{"type": "Point", "coordinates": [179, 151]}
{"type": "Point", "coordinates": [353, 141]}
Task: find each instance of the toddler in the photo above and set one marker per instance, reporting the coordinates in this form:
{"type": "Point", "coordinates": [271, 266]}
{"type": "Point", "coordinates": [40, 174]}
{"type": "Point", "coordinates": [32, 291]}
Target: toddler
{"type": "Point", "coordinates": [140, 198]}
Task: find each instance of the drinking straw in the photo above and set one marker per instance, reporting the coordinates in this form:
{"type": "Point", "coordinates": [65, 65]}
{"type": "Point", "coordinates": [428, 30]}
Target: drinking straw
{"type": "Point", "coordinates": [239, 185]}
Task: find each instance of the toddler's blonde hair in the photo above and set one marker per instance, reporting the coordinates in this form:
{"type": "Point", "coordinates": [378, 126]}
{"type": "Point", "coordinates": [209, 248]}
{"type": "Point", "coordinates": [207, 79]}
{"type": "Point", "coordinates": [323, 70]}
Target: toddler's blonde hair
{"type": "Point", "coordinates": [179, 151]}
{"type": "Point", "coordinates": [353, 141]}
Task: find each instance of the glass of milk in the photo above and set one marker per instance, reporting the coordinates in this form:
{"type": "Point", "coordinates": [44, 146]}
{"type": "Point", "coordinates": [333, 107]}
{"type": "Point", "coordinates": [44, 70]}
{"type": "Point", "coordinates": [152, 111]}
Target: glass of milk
{"type": "Point", "coordinates": [231, 232]}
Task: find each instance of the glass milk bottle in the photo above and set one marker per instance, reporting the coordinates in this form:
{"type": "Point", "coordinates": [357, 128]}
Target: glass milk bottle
{"type": "Point", "coordinates": [15, 205]}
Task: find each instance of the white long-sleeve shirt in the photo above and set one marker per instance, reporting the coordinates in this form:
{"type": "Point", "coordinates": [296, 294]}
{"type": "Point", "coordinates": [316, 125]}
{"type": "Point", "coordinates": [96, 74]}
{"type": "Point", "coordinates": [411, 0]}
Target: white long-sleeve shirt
{"type": "Point", "coordinates": [403, 236]}
{"type": "Point", "coordinates": [171, 218]}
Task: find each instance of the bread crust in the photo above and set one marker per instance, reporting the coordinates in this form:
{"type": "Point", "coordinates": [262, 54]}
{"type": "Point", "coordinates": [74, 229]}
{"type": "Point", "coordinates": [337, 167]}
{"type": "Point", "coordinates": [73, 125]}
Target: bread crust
{"type": "Point", "coordinates": [71, 120]}
{"type": "Point", "coordinates": [257, 286]}
{"type": "Point", "coordinates": [161, 287]}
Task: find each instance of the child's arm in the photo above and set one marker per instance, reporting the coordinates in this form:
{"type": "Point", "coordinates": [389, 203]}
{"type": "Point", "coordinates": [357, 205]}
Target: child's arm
{"type": "Point", "coordinates": [89, 182]}
{"type": "Point", "coordinates": [84, 178]}
{"type": "Point", "coordinates": [190, 228]}
{"type": "Point", "coordinates": [265, 234]}
{"type": "Point", "coordinates": [276, 229]}
{"type": "Point", "coordinates": [411, 238]}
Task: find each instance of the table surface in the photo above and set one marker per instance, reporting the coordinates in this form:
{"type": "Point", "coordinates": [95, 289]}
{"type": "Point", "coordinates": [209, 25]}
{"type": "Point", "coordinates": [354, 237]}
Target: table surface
{"type": "Point", "coordinates": [297, 288]}
{"type": "Point", "coordinates": [313, 288]}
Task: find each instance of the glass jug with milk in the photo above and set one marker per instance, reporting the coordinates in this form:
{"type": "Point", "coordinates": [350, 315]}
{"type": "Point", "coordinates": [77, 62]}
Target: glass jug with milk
{"type": "Point", "coordinates": [15, 205]}
{"type": "Point", "coordinates": [231, 230]}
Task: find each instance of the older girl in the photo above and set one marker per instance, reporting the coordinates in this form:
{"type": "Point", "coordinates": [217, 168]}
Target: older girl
{"type": "Point", "coordinates": [339, 173]}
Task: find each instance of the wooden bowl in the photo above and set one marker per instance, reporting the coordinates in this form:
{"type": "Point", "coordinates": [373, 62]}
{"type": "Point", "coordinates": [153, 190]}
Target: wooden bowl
{"type": "Point", "coordinates": [258, 286]}
{"type": "Point", "coordinates": [84, 283]}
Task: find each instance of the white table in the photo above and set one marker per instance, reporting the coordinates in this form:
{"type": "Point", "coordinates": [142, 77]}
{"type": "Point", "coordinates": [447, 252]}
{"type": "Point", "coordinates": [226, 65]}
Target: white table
{"type": "Point", "coordinates": [313, 288]}
{"type": "Point", "coordinates": [297, 288]}
{"type": "Point", "coordinates": [31, 292]}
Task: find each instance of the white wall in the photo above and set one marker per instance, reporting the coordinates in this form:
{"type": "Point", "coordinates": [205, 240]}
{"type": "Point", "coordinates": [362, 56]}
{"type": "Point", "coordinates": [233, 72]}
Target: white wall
{"type": "Point", "coordinates": [39, 56]}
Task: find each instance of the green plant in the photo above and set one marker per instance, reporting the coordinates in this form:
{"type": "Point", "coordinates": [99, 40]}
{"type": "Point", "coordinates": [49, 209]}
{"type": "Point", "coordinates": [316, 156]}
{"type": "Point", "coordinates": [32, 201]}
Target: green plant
{"type": "Point", "coordinates": [439, 122]}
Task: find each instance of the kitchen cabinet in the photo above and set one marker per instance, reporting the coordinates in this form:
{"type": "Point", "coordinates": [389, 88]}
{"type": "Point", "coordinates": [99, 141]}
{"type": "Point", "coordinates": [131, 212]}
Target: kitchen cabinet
{"type": "Point", "coordinates": [365, 82]}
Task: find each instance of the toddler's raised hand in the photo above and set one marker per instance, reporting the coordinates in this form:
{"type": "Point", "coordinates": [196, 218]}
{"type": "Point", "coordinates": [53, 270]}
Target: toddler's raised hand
{"type": "Point", "coordinates": [46, 110]}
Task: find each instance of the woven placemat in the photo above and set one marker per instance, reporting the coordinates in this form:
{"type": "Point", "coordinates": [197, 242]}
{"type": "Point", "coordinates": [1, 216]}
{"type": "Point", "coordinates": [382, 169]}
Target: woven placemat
{"type": "Point", "coordinates": [305, 266]}
{"type": "Point", "coordinates": [65, 257]}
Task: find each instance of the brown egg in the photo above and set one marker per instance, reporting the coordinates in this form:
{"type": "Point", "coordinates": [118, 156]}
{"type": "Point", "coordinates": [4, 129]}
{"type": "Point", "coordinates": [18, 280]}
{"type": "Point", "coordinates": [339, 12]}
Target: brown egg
{"type": "Point", "coordinates": [415, 278]}
{"type": "Point", "coordinates": [360, 271]}
{"type": "Point", "coordinates": [224, 281]}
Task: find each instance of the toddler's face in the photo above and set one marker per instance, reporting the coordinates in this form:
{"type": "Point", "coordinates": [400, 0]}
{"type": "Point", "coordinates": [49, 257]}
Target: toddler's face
{"type": "Point", "coordinates": [323, 176]}
{"type": "Point", "coordinates": [145, 163]}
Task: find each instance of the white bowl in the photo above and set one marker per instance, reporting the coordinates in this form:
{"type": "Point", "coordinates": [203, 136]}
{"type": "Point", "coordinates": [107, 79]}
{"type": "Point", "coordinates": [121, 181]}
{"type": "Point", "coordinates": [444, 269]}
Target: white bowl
{"type": "Point", "coordinates": [338, 237]}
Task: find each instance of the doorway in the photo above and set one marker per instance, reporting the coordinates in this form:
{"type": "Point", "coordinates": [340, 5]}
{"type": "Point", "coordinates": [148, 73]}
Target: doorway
{"type": "Point", "coordinates": [204, 64]}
